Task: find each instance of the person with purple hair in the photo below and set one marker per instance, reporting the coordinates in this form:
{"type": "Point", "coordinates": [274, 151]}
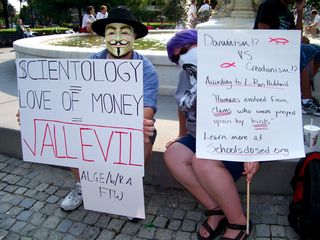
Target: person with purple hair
{"type": "Point", "coordinates": [211, 182]}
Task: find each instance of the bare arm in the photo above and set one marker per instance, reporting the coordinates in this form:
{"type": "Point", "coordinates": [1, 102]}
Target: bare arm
{"type": "Point", "coordinates": [299, 6]}
{"type": "Point", "coordinates": [250, 169]}
{"type": "Point", "coordinates": [18, 116]}
{"type": "Point", "coordinates": [194, 15]}
{"type": "Point", "coordinates": [182, 128]}
{"type": "Point", "coordinates": [182, 124]}
{"type": "Point", "coordinates": [263, 26]}
{"type": "Point", "coordinates": [148, 130]}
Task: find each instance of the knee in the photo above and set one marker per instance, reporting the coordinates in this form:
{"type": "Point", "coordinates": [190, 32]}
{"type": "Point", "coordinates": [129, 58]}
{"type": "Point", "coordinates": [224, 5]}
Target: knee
{"type": "Point", "coordinates": [202, 166]}
{"type": "Point", "coordinates": [177, 156]}
{"type": "Point", "coordinates": [168, 155]}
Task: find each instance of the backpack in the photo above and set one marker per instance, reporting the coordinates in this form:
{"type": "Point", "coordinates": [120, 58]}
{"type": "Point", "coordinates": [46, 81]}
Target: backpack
{"type": "Point", "coordinates": [304, 210]}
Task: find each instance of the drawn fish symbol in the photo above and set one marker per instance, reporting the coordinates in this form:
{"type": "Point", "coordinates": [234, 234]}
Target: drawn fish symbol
{"type": "Point", "coordinates": [282, 41]}
{"type": "Point", "coordinates": [227, 65]}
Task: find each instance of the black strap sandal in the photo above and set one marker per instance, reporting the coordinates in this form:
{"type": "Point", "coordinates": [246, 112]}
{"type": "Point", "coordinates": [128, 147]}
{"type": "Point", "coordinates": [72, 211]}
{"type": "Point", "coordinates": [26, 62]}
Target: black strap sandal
{"type": "Point", "coordinates": [243, 231]}
{"type": "Point", "coordinates": [221, 225]}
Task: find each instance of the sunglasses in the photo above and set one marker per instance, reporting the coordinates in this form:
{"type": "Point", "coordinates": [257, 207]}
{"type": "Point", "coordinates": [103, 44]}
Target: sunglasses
{"type": "Point", "coordinates": [182, 51]}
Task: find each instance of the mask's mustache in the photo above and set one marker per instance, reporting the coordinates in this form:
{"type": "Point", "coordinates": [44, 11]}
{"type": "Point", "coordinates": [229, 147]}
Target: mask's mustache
{"type": "Point", "coordinates": [118, 43]}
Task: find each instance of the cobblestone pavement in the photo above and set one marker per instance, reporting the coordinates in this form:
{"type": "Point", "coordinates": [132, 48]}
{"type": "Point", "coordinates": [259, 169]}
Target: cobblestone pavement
{"type": "Point", "coordinates": [30, 195]}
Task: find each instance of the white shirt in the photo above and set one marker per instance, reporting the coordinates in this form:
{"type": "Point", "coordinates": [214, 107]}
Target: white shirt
{"type": "Point", "coordinates": [28, 34]}
{"type": "Point", "coordinates": [204, 7]}
{"type": "Point", "coordinates": [100, 15]}
{"type": "Point", "coordinates": [87, 18]}
{"type": "Point", "coordinates": [192, 9]}
{"type": "Point", "coordinates": [317, 20]}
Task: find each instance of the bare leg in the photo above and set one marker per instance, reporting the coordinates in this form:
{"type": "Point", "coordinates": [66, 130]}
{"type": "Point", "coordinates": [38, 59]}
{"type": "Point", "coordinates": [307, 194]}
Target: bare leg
{"type": "Point", "coordinates": [305, 83]}
{"type": "Point", "coordinates": [147, 152]}
{"type": "Point", "coordinates": [178, 159]}
{"type": "Point", "coordinates": [315, 68]}
{"type": "Point", "coordinates": [306, 78]}
{"type": "Point", "coordinates": [218, 182]}
{"type": "Point", "coordinates": [75, 173]}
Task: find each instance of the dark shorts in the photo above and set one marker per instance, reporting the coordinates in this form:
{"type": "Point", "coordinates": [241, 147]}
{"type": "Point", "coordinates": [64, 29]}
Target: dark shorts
{"type": "Point", "coordinates": [153, 138]}
{"type": "Point", "coordinates": [235, 168]}
{"type": "Point", "coordinates": [309, 52]}
{"type": "Point", "coordinates": [83, 30]}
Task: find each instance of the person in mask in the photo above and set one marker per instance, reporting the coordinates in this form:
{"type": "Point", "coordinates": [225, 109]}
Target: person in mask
{"type": "Point", "coordinates": [212, 183]}
{"type": "Point", "coordinates": [120, 30]}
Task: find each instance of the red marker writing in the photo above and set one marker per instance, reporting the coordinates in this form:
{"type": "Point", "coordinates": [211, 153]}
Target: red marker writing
{"type": "Point", "coordinates": [227, 65]}
{"type": "Point", "coordinates": [262, 126]}
{"type": "Point", "coordinates": [282, 41]}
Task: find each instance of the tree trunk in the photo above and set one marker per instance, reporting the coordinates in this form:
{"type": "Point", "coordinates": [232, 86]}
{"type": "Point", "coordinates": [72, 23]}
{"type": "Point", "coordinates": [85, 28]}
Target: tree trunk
{"type": "Point", "coordinates": [5, 12]}
{"type": "Point", "coordinates": [80, 16]}
{"type": "Point", "coordinates": [31, 13]}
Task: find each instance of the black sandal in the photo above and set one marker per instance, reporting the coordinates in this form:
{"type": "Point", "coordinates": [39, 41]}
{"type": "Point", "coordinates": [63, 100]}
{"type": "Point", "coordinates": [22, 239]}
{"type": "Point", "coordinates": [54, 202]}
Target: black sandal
{"type": "Point", "coordinates": [243, 231]}
{"type": "Point", "coordinates": [221, 225]}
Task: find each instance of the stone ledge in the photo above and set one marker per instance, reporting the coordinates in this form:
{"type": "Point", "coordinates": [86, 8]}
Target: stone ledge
{"type": "Point", "coordinates": [274, 176]}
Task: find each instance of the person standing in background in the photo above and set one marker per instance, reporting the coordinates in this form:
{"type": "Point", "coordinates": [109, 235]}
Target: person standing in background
{"type": "Point", "coordinates": [87, 20]}
{"type": "Point", "coordinates": [314, 27]}
{"type": "Point", "coordinates": [103, 12]}
{"type": "Point", "coordinates": [19, 29]}
{"type": "Point", "coordinates": [205, 6]}
{"type": "Point", "coordinates": [192, 14]}
{"type": "Point", "coordinates": [28, 33]}
{"type": "Point", "coordinates": [276, 14]}
{"type": "Point", "coordinates": [204, 11]}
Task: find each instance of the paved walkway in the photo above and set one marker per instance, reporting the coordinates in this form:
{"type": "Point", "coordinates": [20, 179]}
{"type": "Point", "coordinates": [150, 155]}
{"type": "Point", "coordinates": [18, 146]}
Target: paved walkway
{"type": "Point", "coordinates": [29, 209]}
{"type": "Point", "coordinates": [30, 194]}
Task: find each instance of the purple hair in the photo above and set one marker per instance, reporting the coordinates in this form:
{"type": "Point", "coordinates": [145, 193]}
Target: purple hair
{"type": "Point", "coordinates": [181, 39]}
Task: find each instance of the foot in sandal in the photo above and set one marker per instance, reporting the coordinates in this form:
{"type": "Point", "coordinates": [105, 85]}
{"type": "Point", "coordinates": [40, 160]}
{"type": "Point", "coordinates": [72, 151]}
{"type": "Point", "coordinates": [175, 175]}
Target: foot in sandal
{"type": "Point", "coordinates": [236, 231]}
{"type": "Point", "coordinates": [213, 226]}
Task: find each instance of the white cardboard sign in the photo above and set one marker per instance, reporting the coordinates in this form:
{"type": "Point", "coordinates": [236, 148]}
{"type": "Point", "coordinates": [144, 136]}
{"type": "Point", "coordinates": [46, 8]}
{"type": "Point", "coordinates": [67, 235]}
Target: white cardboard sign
{"type": "Point", "coordinates": [249, 103]}
{"type": "Point", "coordinates": [82, 112]}
{"type": "Point", "coordinates": [112, 192]}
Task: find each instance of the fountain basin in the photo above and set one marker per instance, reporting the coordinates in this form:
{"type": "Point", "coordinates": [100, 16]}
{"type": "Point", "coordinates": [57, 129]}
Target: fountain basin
{"type": "Point", "coordinates": [37, 47]}
{"type": "Point", "coordinates": [227, 23]}
{"type": "Point", "coordinates": [168, 72]}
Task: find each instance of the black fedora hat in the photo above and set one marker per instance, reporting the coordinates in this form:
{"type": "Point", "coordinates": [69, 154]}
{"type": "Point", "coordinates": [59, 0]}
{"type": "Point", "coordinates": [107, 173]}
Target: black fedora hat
{"type": "Point", "coordinates": [119, 15]}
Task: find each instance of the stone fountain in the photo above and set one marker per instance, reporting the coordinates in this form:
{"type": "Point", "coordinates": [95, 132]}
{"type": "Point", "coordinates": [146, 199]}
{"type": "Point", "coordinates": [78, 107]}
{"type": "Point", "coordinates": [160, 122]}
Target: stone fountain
{"type": "Point", "coordinates": [38, 47]}
{"type": "Point", "coordinates": [237, 14]}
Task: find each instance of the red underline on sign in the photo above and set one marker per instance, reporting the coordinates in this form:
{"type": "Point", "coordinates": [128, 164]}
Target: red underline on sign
{"type": "Point", "coordinates": [222, 114]}
{"type": "Point", "coordinates": [88, 125]}
{"type": "Point", "coordinates": [245, 154]}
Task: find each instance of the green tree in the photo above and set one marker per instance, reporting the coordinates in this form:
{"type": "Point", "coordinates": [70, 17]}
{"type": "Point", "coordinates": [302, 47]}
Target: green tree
{"type": "Point", "coordinates": [11, 14]}
{"type": "Point", "coordinates": [313, 4]}
{"type": "Point", "coordinates": [7, 12]}
{"type": "Point", "coordinates": [180, 10]}
{"type": "Point", "coordinates": [5, 15]}
{"type": "Point", "coordinates": [59, 10]}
